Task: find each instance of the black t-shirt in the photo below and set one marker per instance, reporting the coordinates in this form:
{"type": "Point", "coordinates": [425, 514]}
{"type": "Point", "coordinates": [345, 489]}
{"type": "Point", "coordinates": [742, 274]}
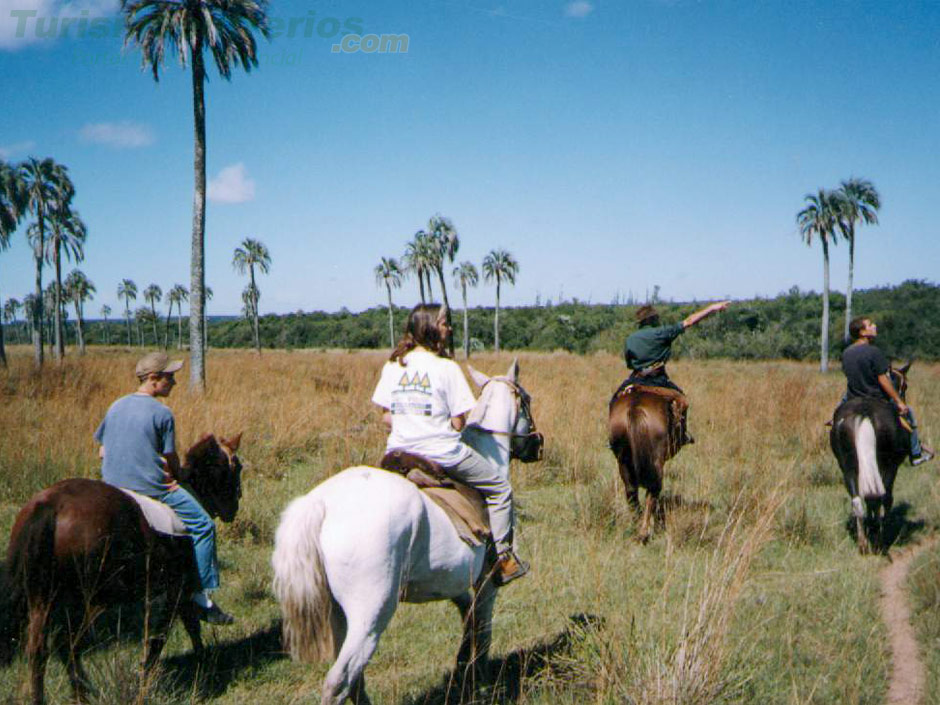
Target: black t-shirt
{"type": "Point", "coordinates": [862, 365]}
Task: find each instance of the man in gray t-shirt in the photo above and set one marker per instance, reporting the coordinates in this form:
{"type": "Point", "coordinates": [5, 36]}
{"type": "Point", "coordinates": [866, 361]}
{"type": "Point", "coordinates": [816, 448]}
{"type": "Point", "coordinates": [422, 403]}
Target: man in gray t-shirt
{"type": "Point", "coordinates": [138, 453]}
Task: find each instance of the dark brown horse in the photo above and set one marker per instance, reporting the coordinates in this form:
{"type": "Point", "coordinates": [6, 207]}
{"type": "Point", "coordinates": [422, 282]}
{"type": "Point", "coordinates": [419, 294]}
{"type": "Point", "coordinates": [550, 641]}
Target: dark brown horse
{"type": "Point", "coordinates": [870, 444]}
{"type": "Point", "coordinates": [82, 545]}
{"type": "Point", "coordinates": [645, 430]}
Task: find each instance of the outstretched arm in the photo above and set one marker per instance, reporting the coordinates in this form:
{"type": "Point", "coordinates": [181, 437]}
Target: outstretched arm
{"type": "Point", "coordinates": [705, 313]}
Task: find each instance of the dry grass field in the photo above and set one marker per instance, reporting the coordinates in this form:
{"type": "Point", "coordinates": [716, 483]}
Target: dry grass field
{"type": "Point", "coordinates": [752, 590]}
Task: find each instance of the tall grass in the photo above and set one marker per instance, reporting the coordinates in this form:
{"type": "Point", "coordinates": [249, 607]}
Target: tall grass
{"type": "Point", "coordinates": [751, 589]}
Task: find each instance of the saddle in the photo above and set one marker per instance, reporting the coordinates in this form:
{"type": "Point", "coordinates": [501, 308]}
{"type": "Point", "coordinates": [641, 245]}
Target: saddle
{"type": "Point", "coordinates": [160, 516]}
{"type": "Point", "coordinates": [462, 504]}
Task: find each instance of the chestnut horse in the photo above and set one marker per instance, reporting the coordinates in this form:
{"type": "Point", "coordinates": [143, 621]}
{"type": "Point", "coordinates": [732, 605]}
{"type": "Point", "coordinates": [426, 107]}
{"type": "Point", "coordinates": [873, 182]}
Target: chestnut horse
{"type": "Point", "coordinates": [644, 430]}
{"type": "Point", "coordinates": [870, 444]}
{"type": "Point", "coordinates": [82, 545]}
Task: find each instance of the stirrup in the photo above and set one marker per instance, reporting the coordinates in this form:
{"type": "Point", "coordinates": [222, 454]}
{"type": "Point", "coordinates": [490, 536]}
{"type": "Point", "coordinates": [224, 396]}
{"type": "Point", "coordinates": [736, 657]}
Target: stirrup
{"type": "Point", "coordinates": [509, 567]}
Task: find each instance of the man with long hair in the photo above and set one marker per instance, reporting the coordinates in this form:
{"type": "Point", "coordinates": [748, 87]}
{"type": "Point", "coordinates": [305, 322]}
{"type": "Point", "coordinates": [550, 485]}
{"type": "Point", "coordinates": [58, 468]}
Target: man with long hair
{"type": "Point", "coordinates": [425, 399]}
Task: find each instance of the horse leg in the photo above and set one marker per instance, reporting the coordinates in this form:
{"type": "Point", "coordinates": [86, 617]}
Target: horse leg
{"type": "Point", "coordinates": [36, 650]}
{"type": "Point", "coordinates": [476, 611]}
{"type": "Point", "coordinates": [69, 652]}
{"type": "Point", "coordinates": [648, 513]}
{"type": "Point", "coordinates": [189, 616]}
{"type": "Point", "coordinates": [630, 486]}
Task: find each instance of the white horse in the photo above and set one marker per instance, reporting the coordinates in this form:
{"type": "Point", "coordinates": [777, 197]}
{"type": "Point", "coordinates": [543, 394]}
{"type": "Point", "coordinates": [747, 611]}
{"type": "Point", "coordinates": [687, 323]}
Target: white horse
{"type": "Point", "coordinates": [349, 550]}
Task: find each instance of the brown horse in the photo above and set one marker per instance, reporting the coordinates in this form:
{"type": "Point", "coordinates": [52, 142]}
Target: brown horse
{"type": "Point", "coordinates": [82, 545]}
{"type": "Point", "coordinates": [870, 444]}
{"type": "Point", "coordinates": [645, 430]}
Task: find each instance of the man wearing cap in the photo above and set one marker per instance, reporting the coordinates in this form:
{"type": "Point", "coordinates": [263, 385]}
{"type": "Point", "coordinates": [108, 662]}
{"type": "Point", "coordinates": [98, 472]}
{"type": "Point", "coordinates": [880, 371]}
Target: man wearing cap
{"type": "Point", "coordinates": [648, 349]}
{"type": "Point", "coordinates": [138, 453]}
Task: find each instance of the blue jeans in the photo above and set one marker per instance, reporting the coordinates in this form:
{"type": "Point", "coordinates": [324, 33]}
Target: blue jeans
{"type": "Point", "coordinates": [202, 529]}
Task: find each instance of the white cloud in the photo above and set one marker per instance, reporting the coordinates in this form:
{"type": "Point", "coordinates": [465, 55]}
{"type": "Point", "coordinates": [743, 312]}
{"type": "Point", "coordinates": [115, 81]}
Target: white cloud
{"type": "Point", "coordinates": [232, 185]}
{"type": "Point", "coordinates": [122, 135]}
{"type": "Point", "coordinates": [47, 20]}
{"type": "Point", "coordinates": [8, 151]}
{"type": "Point", "coordinates": [579, 8]}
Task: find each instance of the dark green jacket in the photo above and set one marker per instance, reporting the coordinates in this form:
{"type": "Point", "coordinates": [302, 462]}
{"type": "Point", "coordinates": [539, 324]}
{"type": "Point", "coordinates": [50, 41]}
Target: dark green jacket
{"type": "Point", "coordinates": [649, 345]}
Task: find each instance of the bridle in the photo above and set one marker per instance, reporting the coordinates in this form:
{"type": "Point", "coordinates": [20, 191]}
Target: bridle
{"type": "Point", "coordinates": [523, 446]}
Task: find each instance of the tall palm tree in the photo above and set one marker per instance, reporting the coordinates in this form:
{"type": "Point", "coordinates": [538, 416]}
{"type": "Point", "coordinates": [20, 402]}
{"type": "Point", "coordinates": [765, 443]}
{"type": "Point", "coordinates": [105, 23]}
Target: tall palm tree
{"type": "Point", "coordinates": [153, 294]}
{"type": "Point", "coordinates": [501, 266]}
{"type": "Point", "coordinates": [66, 232]}
{"type": "Point", "coordinates": [419, 254]}
{"type": "Point", "coordinates": [105, 312]}
{"type": "Point", "coordinates": [444, 243]}
{"type": "Point", "coordinates": [251, 254]}
{"type": "Point", "coordinates": [127, 290]}
{"type": "Point", "coordinates": [817, 220]}
{"type": "Point", "coordinates": [142, 316]}
{"type": "Point", "coordinates": [178, 294]}
{"type": "Point", "coordinates": [46, 186]}
{"type": "Point", "coordinates": [388, 272]}
{"type": "Point", "coordinates": [465, 274]}
{"type": "Point", "coordinates": [79, 289]}
{"type": "Point", "coordinates": [224, 28]}
{"type": "Point", "coordinates": [858, 202]}
{"type": "Point", "coordinates": [12, 202]}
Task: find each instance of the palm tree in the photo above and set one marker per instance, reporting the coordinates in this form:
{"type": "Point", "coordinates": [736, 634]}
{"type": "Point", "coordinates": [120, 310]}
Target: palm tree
{"type": "Point", "coordinates": [444, 243]}
{"type": "Point", "coordinates": [142, 316]}
{"type": "Point", "coordinates": [389, 272]}
{"type": "Point", "coordinates": [68, 232]}
{"type": "Point", "coordinates": [499, 265]}
{"type": "Point", "coordinates": [465, 274]}
{"type": "Point", "coordinates": [29, 312]}
{"type": "Point", "coordinates": [418, 258]}
{"type": "Point", "coordinates": [225, 28]}
{"type": "Point", "coordinates": [127, 290]}
{"type": "Point", "coordinates": [10, 309]}
{"type": "Point", "coordinates": [177, 295]}
{"type": "Point", "coordinates": [46, 187]}
{"type": "Point", "coordinates": [251, 254]}
{"type": "Point", "coordinates": [12, 202]}
{"type": "Point", "coordinates": [153, 294]}
{"type": "Point", "coordinates": [105, 312]}
{"type": "Point", "coordinates": [79, 289]}
{"type": "Point", "coordinates": [858, 202]}
{"type": "Point", "coordinates": [818, 220]}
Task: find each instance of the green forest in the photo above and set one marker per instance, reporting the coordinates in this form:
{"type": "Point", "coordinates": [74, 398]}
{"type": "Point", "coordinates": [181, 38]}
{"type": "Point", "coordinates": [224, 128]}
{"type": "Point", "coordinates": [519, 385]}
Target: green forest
{"type": "Point", "coordinates": [783, 327]}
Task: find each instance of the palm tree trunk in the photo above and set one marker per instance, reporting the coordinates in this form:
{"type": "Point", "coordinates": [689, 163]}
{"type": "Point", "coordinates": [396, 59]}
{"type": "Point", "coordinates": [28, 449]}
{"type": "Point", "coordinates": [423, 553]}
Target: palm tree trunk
{"type": "Point", "coordinates": [127, 319]}
{"type": "Point", "coordinates": [59, 333]}
{"type": "Point", "coordinates": [496, 320]}
{"type": "Point", "coordinates": [421, 285]}
{"type": "Point", "coordinates": [824, 334]}
{"type": "Point", "coordinates": [179, 324]}
{"type": "Point", "coordinates": [37, 305]}
{"type": "Point", "coordinates": [466, 326]}
{"type": "Point", "coordinates": [166, 332]}
{"type": "Point", "coordinates": [107, 331]}
{"type": "Point", "coordinates": [848, 289]}
{"type": "Point", "coordinates": [197, 284]}
{"type": "Point", "coordinates": [391, 316]}
{"type": "Point", "coordinates": [153, 310]}
{"type": "Point", "coordinates": [78, 329]}
{"type": "Point", "coordinates": [430, 290]}
{"type": "Point", "coordinates": [450, 320]}
{"type": "Point", "coordinates": [254, 310]}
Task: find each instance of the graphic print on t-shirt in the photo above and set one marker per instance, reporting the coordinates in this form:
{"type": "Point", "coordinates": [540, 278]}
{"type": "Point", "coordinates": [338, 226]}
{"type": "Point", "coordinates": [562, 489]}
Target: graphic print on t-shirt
{"type": "Point", "coordinates": [413, 395]}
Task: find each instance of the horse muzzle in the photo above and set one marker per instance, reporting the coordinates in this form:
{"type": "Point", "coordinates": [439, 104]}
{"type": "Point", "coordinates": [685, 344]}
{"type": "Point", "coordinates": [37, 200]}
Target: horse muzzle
{"type": "Point", "coordinates": [527, 447]}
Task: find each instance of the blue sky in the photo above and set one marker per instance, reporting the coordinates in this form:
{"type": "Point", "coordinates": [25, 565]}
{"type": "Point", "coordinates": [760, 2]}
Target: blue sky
{"type": "Point", "coordinates": [610, 146]}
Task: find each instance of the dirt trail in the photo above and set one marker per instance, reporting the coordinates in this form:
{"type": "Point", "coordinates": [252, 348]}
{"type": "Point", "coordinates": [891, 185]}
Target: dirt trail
{"type": "Point", "coordinates": [908, 676]}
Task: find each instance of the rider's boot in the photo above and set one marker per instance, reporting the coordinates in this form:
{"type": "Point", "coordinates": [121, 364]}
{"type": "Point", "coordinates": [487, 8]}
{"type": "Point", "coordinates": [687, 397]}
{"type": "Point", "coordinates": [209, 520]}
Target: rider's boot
{"type": "Point", "coordinates": [509, 567]}
{"type": "Point", "coordinates": [210, 612]}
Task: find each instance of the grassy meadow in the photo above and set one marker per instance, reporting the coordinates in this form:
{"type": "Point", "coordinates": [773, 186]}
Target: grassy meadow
{"type": "Point", "coordinates": [751, 590]}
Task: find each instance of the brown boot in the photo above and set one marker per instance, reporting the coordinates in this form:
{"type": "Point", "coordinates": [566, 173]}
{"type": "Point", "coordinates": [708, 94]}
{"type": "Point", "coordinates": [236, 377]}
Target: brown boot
{"type": "Point", "coordinates": [509, 567]}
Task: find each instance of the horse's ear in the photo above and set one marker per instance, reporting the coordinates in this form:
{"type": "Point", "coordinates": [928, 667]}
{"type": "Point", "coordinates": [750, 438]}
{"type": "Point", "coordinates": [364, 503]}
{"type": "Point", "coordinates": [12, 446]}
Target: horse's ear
{"type": "Point", "coordinates": [199, 447]}
{"type": "Point", "coordinates": [513, 373]}
{"type": "Point", "coordinates": [478, 377]}
{"type": "Point", "coordinates": [232, 443]}
{"type": "Point", "coordinates": [906, 367]}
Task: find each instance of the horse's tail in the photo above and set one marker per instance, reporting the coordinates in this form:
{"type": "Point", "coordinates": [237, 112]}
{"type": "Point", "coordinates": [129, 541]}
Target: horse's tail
{"type": "Point", "coordinates": [640, 434]}
{"type": "Point", "coordinates": [26, 577]}
{"type": "Point", "coordinates": [300, 582]}
{"type": "Point", "coordinates": [870, 484]}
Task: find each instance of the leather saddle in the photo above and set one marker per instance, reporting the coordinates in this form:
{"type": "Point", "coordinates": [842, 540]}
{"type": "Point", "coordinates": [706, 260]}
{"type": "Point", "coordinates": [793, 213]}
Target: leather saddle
{"type": "Point", "coordinates": [464, 506]}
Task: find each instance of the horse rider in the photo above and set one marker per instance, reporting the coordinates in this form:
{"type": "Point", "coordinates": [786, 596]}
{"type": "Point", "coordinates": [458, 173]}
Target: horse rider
{"type": "Point", "coordinates": [648, 350]}
{"type": "Point", "coordinates": [138, 453]}
{"type": "Point", "coordinates": [425, 399]}
{"type": "Point", "coordinates": [866, 373]}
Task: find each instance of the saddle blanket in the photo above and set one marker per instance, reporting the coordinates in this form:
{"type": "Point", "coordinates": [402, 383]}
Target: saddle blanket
{"type": "Point", "coordinates": [160, 516]}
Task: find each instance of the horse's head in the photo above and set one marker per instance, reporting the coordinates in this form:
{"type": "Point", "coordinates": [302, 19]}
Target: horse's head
{"type": "Point", "coordinates": [215, 474]}
{"type": "Point", "coordinates": [504, 408]}
{"type": "Point", "coordinates": [899, 378]}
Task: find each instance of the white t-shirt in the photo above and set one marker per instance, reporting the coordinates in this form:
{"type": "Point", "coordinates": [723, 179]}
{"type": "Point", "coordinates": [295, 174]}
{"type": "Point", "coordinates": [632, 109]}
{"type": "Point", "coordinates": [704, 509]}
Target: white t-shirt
{"type": "Point", "coordinates": [423, 396]}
